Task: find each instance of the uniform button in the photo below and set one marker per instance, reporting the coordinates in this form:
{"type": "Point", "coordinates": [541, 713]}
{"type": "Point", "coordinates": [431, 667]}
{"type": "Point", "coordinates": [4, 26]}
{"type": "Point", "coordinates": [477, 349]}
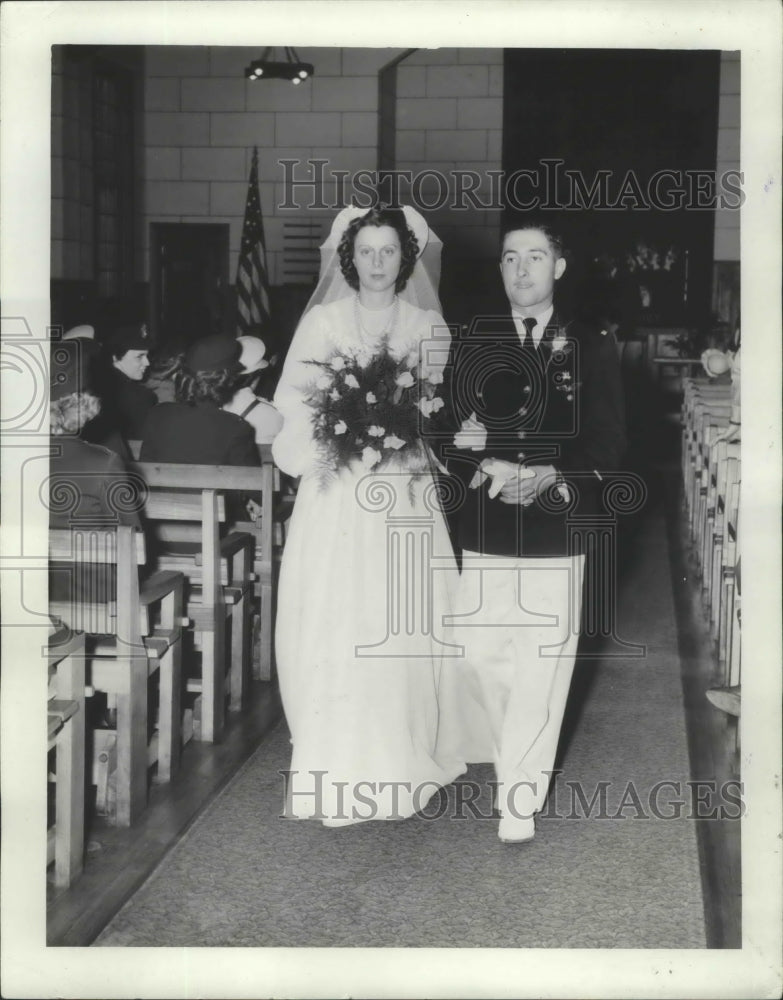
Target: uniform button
{"type": "Point", "coordinates": [520, 454]}
{"type": "Point", "coordinates": [526, 389]}
{"type": "Point", "coordinates": [521, 435]}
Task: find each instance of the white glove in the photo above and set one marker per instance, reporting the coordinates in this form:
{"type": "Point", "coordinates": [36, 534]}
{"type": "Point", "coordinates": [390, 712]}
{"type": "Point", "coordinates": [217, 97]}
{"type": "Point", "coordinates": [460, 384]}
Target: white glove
{"type": "Point", "coordinates": [472, 434]}
{"type": "Point", "coordinates": [500, 472]}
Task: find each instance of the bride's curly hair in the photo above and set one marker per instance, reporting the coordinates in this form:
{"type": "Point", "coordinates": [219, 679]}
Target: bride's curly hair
{"type": "Point", "coordinates": [379, 216]}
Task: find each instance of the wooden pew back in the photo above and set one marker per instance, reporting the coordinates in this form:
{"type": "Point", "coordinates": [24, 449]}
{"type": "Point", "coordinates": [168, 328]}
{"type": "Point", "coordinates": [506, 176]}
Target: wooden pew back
{"type": "Point", "coordinates": [176, 494]}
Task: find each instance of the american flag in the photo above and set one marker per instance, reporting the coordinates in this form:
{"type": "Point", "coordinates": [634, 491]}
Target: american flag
{"type": "Point", "coordinates": [252, 281]}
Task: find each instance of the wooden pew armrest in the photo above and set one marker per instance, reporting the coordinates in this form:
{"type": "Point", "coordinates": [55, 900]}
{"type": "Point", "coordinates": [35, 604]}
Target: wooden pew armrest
{"type": "Point", "coordinates": [229, 546]}
{"type": "Point", "coordinates": [62, 709]}
{"type": "Point", "coordinates": [235, 542]}
{"type": "Point", "coordinates": [158, 586]}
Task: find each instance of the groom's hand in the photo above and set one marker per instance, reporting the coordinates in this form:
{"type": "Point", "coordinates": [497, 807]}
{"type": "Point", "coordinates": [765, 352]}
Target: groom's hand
{"type": "Point", "coordinates": [523, 491]}
{"type": "Point", "coordinates": [501, 472]}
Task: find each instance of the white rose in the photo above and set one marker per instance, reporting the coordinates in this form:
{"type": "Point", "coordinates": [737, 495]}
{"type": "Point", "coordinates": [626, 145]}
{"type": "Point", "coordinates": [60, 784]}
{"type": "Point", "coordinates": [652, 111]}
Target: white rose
{"type": "Point", "coordinates": [430, 406]}
{"type": "Point", "coordinates": [363, 357]}
{"type": "Point", "coordinates": [435, 378]}
{"type": "Point", "coordinates": [376, 431]}
{"type": "Point", "coordinates": [351, 381]}
{"type": "Point", "coordinates": [558, 343]}
{"type": "Point", "coordinates": [323, 382]}
{"type": "Point", "coordinates": [405, 381]}
{"type": "Point", "coordinates": [370, 457]}
{"type": "Point", "coordinates": [340, 427]}
{"type": "Point", "coordinates": [392, 441]}
{"type": "Point", "coordinates": [371, 397]}
{"type": "Point", "coordinates": [337, 363]}
{"type": "Point", "coordinates": [334, 394]}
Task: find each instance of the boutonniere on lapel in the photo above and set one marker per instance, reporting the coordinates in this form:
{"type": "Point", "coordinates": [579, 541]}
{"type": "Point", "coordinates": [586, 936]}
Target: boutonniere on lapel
{"type": "Point", "coordinates": [557, 340]}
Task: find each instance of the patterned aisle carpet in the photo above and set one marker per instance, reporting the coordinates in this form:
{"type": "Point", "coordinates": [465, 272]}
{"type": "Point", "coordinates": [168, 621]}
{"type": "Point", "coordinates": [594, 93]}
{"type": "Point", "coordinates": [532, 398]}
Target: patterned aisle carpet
{"type": "Point", "coordinates": [242, 876]}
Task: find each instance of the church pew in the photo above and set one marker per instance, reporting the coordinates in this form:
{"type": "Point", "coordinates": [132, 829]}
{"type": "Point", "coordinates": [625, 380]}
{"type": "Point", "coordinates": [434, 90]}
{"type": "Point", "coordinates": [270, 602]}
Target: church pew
{"type": "Point", "coordinates": [66, 736]}
{"type": "Point", "coordinates": [725, 472]}
{"type": "Point", "coordinates": [133, 632]}
{"type": "Point", "coordinates": [186, 505]}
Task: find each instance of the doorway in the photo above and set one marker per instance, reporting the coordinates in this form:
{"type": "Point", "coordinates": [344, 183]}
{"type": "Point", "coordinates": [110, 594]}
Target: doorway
{"type": "Point", "coordinates": [191, 295]}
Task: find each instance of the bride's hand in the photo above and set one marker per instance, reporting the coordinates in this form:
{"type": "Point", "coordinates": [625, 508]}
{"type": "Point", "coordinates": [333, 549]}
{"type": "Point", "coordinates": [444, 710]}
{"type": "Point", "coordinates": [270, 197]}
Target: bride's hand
{"type": "Point", "coordinates": [472, 434]}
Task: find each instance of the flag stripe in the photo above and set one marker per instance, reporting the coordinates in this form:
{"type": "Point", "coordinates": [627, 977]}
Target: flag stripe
{"type": "Point", "coordinates": [252, 284]}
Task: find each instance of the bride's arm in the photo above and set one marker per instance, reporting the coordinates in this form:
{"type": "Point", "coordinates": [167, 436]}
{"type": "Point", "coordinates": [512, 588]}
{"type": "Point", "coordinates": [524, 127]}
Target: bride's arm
{"type": "Point", "coordinates": [435, 352]}
{"type": "Point", "coordinates": [435, 344]}
{"type": "Point", "coordinates": [294, 449]}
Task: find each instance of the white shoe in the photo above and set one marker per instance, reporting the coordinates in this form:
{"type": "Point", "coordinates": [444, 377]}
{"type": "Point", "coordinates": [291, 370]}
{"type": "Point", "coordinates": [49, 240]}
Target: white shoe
{"type": "Point", "coordinates": [727, 699]}
{"type": "Point", "coordinates": [516, 831]}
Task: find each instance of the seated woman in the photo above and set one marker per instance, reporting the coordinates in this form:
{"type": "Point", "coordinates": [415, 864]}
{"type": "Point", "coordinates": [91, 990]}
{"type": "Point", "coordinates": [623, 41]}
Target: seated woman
{"type": "Point", "coordinates": [103, 428]}
{"type": "Point", "coordinates": [88, 484]}
{"type": "Point", "coordinates": [195, 429]}
{"type": "Point", "coordinates": [246, 402]}
{"type": "Point", "coordinates": [126, 362]}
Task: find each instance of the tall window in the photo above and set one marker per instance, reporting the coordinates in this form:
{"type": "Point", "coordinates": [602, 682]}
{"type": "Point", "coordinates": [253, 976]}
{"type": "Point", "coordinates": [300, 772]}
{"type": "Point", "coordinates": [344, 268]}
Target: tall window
{"type": "Point", "coordinates": [113, 179]}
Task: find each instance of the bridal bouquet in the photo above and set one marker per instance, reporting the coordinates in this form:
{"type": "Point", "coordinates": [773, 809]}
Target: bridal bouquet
{"type": "Point", "coordinates": [374, 409]}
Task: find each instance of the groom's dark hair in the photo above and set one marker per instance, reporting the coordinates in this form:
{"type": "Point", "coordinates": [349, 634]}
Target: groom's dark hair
{"type": "Point", "coordinates": [379, 216]}
{"type": "Point", "coordinates": [553, 235]}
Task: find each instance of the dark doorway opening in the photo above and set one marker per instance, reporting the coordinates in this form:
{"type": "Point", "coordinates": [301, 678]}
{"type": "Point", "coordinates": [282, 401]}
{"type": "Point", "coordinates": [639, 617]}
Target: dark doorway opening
{"type": "Point", "coordinates": [191, 295]}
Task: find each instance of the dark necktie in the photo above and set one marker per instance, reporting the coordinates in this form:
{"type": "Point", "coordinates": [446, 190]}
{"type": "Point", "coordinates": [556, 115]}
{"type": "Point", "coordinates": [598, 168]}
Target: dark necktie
{"type": "Point", "coordinates": [528, 344]}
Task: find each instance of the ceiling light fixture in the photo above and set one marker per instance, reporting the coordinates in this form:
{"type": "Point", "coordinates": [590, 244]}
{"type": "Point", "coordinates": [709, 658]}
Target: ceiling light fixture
{"type": "Point", "coordinates": [268, 69]}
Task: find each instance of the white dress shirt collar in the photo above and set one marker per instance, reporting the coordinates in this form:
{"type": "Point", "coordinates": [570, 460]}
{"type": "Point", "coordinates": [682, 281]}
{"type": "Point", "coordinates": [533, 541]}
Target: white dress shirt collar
{"type": "Point", "coordinates": [538, 330]}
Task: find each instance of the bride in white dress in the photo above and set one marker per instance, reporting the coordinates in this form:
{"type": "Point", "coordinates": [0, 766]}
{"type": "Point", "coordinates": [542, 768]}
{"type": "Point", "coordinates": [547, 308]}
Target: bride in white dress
{"type": "Point", "coordinates": [368, 565]}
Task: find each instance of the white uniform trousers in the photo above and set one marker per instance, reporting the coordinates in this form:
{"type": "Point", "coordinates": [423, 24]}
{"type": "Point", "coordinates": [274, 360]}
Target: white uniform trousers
{"type": "Point", "coordinates": [518, 619]}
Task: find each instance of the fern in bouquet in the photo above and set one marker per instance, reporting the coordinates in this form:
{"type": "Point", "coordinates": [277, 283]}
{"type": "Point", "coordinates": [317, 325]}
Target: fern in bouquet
{"type": "Point", "coordinates": [375, 410]}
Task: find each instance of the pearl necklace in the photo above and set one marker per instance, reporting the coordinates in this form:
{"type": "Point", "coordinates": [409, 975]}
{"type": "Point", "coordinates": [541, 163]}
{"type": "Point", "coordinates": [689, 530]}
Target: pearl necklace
{"type": "Point", "coordinates": [388, 326]}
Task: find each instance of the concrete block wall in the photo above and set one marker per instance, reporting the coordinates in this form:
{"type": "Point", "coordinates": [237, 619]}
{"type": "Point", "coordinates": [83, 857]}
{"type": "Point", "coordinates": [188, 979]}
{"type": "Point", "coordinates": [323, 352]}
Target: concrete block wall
{"type": "Point", "coordinates": [727, 222]}
{"type": "Point", "coordinates": [202, 119]}
{"type": "Point", "coordinates": [449, 118]}
{"type": "Point", "coordinates": [73, 183]}
{"type": "Point", "coordinates": [72, 180]}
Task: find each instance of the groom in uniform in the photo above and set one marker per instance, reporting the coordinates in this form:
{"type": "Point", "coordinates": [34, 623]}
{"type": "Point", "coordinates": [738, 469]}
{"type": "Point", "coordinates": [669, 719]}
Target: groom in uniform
{"type": "Point", "coordinates": [540, 411]}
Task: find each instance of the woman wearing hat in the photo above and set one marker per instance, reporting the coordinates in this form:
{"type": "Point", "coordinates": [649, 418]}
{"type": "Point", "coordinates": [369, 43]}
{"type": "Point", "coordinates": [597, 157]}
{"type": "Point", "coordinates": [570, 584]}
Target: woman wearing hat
{"type": "Point", "coordinates": [195, 429]}
{"type": "Point", "coordinates": [128, 401]}
{"type": "Point", "coordinates": [363, 712]}
{"type": "Point", "coordinates": [101, 429]}
{"type": "Point", "coordinates": [259, 413]}
{"type": "Point", "coordinates": [88, 483]}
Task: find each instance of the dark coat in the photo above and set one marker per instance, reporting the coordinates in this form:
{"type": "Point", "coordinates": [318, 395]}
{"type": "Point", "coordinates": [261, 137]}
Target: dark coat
{"type": "Point", "coordinates": [561, 406]}
{"type": "Point", "coordinates": [88, 488]}
{"type": "Point", "coordinates": [125, 405]}
{"type": "Point", "coordinates": [129, 403]}
{"type": "Point", "coordinates": [201, 434]}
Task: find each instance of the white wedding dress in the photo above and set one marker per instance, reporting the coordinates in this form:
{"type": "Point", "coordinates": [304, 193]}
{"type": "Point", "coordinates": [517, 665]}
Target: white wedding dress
{"type": "Point", "coordinates": [359, 635]}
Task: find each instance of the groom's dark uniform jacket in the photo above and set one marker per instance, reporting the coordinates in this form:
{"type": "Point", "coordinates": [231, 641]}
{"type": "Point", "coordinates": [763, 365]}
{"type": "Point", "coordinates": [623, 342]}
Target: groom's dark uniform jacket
{"type": "Point", "coordinates": [560, 405]}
